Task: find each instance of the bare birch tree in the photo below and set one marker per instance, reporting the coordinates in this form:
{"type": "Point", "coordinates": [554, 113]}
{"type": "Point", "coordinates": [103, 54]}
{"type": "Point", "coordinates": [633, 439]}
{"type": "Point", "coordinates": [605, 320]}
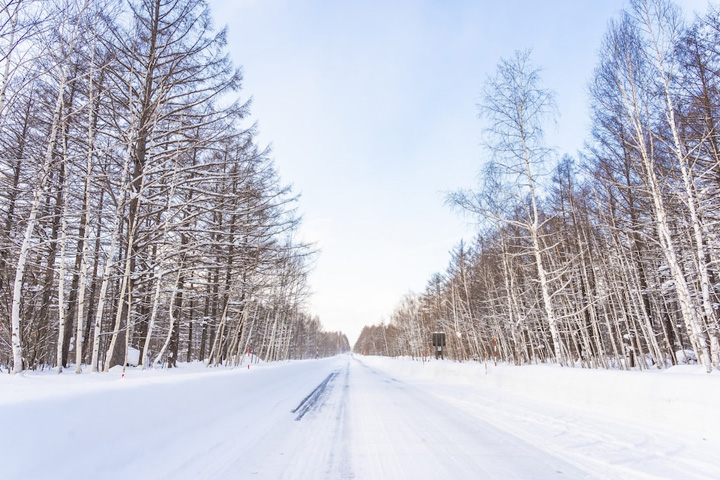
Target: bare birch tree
{"type": "Point", "coordinates": [516, 108]}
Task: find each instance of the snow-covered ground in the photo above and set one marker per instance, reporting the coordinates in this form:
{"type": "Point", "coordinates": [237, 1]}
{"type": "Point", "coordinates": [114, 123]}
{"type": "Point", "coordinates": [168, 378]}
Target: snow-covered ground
{"type": "Point", "coordinates": [363, 418]}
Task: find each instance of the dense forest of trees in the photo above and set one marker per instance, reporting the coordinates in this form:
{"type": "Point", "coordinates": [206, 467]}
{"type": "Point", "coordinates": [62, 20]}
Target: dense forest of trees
{"type": "Point", "coordinates": [139, 215]}
{"type": "Point", "coordinates": [607, 260]}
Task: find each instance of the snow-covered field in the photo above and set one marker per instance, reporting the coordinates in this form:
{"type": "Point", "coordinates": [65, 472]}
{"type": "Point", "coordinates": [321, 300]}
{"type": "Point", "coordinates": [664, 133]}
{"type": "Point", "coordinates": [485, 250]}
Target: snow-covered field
{"type": "Point", "coordinates": [364, 418]}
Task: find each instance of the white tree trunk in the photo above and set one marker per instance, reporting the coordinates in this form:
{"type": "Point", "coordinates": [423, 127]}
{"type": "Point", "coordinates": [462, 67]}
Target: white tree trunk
{"type": "Point", "coordinates": [153, 316]}
{"type": "Point", "coordinates": [85, 221]}
{"type": "Point", "coordinates": [534, 228]}
{"type": "Point", "coordinates": [118, 314]}
{"type": "Point", "coordinates": [172, 320]}
{"type": "Point", "coordinates": [63, 248]}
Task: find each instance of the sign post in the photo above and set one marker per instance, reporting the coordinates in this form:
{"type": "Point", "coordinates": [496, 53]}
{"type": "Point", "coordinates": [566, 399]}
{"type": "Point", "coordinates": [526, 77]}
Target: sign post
{"type": "Point", "coordinates": [438, 339]}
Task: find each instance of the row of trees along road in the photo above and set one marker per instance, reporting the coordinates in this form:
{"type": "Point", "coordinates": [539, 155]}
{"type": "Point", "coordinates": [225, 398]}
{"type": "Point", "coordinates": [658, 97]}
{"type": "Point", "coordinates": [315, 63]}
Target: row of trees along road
{"type": "Point", "coordinates": [139, 213]}
{"type": "Point", "coordinates": [606, 261]}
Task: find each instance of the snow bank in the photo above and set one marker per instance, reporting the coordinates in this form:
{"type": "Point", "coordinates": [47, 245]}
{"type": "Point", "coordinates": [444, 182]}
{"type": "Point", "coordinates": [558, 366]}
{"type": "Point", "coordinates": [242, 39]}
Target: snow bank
{"type": "Point", "coordinates": [681, 397]}
{"type": "Point", "coordinates": [36, 385]}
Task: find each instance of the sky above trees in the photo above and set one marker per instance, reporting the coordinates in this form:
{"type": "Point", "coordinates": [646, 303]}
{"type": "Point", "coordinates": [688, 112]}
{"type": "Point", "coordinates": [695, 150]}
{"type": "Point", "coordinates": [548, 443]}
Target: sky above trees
{"type": "Point", "coordinates": [370, 108]}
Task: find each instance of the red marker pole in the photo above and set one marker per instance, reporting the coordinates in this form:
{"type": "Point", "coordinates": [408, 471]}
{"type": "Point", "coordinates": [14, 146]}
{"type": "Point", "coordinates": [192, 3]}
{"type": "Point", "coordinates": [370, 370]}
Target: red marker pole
{"type": "Point", "coordinates": [248, 358]}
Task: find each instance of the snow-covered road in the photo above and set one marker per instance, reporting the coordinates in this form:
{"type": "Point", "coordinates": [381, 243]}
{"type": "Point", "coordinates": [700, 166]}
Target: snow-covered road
{"type": "Point", "coordinates": [335, 418]}
{"type": "Point", "coordinates": [400, 431]}
{"type": "Point", "coordinates": [361, 423]}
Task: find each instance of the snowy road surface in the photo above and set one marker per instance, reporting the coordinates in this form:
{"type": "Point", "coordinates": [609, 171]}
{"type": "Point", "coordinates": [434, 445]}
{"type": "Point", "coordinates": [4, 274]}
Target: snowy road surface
{"type": "Point", "coordinates": [335, 418]}
{"type": "Point", "coordinates": [361, 423]}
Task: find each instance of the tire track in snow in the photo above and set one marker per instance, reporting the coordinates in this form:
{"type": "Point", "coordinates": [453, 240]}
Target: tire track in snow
{"type": "Point", "coordinates": [316, 399]}
{"type": "Point", "coordinates": [339, 462]}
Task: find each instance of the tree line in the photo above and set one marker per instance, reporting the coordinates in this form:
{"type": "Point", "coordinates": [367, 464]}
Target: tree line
{"type": "Point", "coordinates": [607, 260]}
{"type": "Point", "coordinates": [140, 216]}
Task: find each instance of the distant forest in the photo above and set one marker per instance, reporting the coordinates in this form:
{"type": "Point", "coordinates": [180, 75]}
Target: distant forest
{"type": "Point", "coordinates": [140, 220]}
{"type": "Point", "coordinates": [607, 260]}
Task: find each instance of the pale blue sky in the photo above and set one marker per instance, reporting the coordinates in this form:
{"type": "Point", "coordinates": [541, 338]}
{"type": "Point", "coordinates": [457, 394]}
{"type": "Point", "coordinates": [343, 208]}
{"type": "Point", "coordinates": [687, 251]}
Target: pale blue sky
{"type": "Point", "coordinates": [370, 107]}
